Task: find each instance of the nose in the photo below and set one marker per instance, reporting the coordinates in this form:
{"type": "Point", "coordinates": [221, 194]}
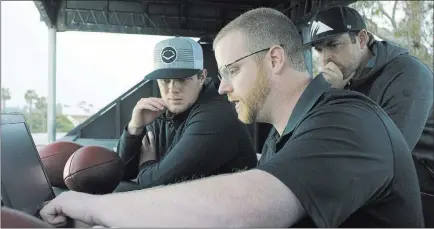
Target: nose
{"type": "Point", "coordinates": [325, 57]}
{"type": "Point", "coordinates": [225, 87]}
{"type": "Point", "coordinates": [173, 86]}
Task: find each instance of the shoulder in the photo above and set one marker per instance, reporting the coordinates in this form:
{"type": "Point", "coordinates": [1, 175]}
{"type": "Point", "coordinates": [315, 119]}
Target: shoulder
{"type": "Point", "coordinates": [408, 66]}
{"type": "Point", "coordinates": [346, 109]}
{"type": "Point", "coordinates": [345, 99]}
{"type": "Point", "coordinates": [406, 60]}
{"type": "Point", "coordinates": [408, 75]}
{"type": "Point", "coordinates": [214, 111]}
{"type": "Point", "coordinates": [211, 105]}
{"type": "Point", "coordinates": [352, 115]}
{"type": "Point", "coordinates": [342, 102]}
{"type": "Point", "coordinates": [347, 124]}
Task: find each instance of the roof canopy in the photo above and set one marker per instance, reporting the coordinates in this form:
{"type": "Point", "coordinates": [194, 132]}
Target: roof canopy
{"type": "Point", "coordinates": [193, 18]}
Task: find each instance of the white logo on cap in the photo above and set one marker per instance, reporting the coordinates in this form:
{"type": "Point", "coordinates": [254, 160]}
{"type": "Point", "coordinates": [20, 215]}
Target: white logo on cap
{"type": "Point", "coordinates": [168, 55]}
{"type": "Point", "coordinates": [318, 28]}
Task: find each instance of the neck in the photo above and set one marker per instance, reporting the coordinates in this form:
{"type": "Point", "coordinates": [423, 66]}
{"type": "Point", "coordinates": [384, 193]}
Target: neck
{"type": "Point", "coordinates": [283, 98]}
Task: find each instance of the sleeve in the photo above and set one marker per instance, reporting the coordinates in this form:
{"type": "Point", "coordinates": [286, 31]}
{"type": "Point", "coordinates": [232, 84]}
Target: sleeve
{"type": "Point", "coordinates": [208, 142]}
{"type": "Point", "coordinates": [331, 164]}
{"type": "Point", "coordinates": [128, 149]}
{"type": "Point", "coordinates": [409, 98]}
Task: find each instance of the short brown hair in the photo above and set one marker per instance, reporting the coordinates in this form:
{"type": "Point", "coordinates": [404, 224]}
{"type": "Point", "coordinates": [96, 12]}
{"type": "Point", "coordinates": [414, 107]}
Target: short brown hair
{"type": "Point", "coordinates": [265, 27]}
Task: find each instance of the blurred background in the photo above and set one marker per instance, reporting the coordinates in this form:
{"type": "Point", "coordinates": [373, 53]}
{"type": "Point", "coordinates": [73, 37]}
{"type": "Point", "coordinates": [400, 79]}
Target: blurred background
{"type": "Point", "coordinates": [95, 68]}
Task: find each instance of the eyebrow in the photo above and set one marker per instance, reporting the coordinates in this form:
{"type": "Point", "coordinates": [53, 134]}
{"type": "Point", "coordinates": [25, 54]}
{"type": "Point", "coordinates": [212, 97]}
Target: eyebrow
{"type": "Point", "coordinates": [331, 40]}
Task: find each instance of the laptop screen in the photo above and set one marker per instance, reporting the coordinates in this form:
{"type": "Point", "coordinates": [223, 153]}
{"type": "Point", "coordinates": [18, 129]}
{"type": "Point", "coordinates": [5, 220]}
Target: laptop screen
{"type": "Point", "coordinates": [25, 186]}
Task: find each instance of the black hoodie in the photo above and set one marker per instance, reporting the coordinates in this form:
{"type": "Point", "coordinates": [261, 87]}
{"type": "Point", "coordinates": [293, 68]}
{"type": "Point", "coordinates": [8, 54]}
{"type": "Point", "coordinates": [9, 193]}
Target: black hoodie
{"type": "Point", "coordinates": [207, 139]}
{"type": "Point", "coordinates": [403, 86]}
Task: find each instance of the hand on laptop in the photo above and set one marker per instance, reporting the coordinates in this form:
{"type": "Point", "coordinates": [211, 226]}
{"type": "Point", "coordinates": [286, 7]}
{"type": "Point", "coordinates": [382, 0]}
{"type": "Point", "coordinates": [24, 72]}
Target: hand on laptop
{"type": "Point", "coordinates": [68, 204]}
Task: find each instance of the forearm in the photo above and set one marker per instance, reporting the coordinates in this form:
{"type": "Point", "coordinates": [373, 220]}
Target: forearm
{"type": "Point", "coordinates": [129, 146]}
{"type": "Point", "coordinates": [247, 199]}
{"type": "Point", "coordinates": [185, 161]}
{"type": "Point", "coordinates": [131, 162]}
{"type": "Point", "coordinates": [128, 150]}
{"type": "Point", "coordinates": [134, 130]}
{"type": "Point", "coordinates": [145, 178]}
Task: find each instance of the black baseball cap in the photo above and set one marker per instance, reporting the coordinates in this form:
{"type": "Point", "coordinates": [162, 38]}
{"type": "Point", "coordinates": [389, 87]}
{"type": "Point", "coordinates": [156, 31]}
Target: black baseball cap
{"type": "Point", "coordinates": [333, 21]}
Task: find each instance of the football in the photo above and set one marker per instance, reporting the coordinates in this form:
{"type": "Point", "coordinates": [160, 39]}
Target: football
{"type": "Point", "coordinates": [54, 157]}
{"type": "Point", "coordinates": [94, 170]}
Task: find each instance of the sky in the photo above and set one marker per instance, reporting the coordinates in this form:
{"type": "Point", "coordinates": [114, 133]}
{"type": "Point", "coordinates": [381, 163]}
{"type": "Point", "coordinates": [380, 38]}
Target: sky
{"type": "Point", "coordinates": [91, 67]}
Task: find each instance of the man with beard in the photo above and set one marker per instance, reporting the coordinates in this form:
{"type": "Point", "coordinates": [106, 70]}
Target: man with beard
{"type": "Point", "coordinates": [400, 83]}
{"type": "Point", "coordinates": [188, 133]}
{"type": "Point", "coordinates": [322, 164]}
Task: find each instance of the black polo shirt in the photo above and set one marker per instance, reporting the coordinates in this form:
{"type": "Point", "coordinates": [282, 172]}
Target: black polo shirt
{"type": "Point", "coordinates": [346, 161]}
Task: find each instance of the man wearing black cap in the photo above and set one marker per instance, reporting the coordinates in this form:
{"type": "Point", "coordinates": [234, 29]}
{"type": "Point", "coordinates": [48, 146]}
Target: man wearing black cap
{"type": "Point", "coordinates": [400, 83]}
{"type": "Point", "coordinates": [191, 131]}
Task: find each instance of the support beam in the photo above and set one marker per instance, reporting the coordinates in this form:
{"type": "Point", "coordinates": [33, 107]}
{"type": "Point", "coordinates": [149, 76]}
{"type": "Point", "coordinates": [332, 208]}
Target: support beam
{"type": "Point", "coordinates": [51, 101]}
{"type": "Point", "coordinates": [304, 29]}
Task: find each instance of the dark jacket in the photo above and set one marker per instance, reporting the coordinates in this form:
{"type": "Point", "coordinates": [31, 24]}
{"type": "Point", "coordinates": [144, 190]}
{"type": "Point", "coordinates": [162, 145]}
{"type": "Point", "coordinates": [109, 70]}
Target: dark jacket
{"type": "Point", "coordinates": [403, 86]}
{"type": "Point", "coordinates": [207, 139]}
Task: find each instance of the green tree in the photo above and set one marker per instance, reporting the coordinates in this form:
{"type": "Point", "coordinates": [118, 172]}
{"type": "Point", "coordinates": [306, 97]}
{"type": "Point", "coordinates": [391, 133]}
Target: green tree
{"type": "Point", "coordinates": [5, 96]}
{"type": "Point", "coordinates": [414, 30]}
{"type": "Point", "coordinates": [30, 97]}
{"type": "Point", "coordinates": [37, 116]}
{"type": "Point", "coordinates": [41, 110]}
{"type": "Point", "coordinates": [36, 122]}
{"type": "Point", "coordinates": [63, 124]}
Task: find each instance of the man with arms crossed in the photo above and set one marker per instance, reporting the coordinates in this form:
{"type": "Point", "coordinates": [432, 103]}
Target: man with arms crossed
{"type": "Point", "coordinates": [322, 164]}
{"type": "Point", "coordinates": [400, 83]}
{"type": "Point", "coordinates": [188, 133]}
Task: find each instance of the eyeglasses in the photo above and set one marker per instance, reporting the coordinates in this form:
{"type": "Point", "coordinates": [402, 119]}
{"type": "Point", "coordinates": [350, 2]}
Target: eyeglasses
{"type": "Point", "coordinates": [225, 74]}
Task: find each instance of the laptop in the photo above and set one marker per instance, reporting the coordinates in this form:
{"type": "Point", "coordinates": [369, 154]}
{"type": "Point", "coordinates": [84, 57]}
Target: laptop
{"type": "Point", "coordinates": [24, 182]}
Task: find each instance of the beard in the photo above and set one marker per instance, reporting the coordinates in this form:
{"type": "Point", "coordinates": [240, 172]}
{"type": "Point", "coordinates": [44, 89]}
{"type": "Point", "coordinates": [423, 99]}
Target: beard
{"type": "Point", "coordinates": [252, 103]}
{"type": "Point", "coordinates": [351, 67]}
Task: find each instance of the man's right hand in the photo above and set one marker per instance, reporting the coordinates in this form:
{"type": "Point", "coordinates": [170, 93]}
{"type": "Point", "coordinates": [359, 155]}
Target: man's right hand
{"type": "Point", "coordinates": [144, 113]}
{"type": "Point", "coordinates": [74, 205]}
{"type": "Point", "coordinates": [333, 74]}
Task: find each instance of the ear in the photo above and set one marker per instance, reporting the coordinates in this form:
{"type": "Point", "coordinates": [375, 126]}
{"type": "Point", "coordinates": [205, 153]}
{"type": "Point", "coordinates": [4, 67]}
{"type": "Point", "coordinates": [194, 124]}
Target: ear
{"type": "Point", "coordinates": [364, 38]}
{"type": "Point", "coordinates": [278, 59]}
{"type": "Point", "coordinates": [203, 76]}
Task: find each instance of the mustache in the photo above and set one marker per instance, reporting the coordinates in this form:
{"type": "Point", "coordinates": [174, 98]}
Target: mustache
{"type": "Point", "coordinates": [230, 98]}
